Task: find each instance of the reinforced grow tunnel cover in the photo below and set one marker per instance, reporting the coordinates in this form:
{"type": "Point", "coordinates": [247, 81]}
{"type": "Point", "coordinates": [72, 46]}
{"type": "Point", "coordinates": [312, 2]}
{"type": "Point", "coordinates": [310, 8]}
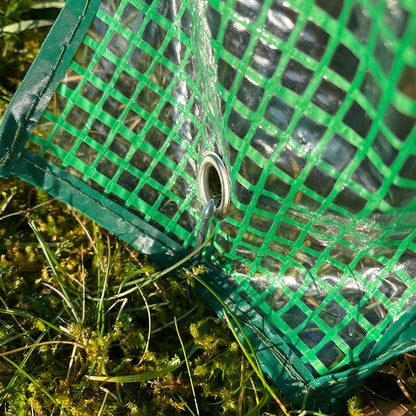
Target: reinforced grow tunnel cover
{"type": "Point", "coordinates": [309, 109]}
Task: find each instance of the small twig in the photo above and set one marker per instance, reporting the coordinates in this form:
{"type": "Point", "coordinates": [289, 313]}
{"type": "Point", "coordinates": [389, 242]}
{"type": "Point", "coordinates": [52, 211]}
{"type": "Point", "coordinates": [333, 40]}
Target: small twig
{"type": "Point", "coordinates": [374, 393]}
{"type": "Point", "coordinates": [161, 292]}
{"type": "Point", "coordinates": [89, 237]}
{"type": "Point", "coordinates": [121, 308]}
{"type": "Point", "coordinates": [173, 322]}
{"type": "Point", "coordinates": [39, 344]}
{"type": "Point", "coordinates": [112, 395]}
{"type": "Point", "coordinates": [127, 248]}
{"type": "Point", "coordinates": [83, 284]}
{"type": "Point", "coordinates": [149, 318]}
{"type": "Point", "coordinates": [29, 197]}
{"type": "Point", "coordinates": [64, 299]}
{"type": "Point", "coordinates": [71, 361]}
{"type": "Point", "coordinates": [26, 211]}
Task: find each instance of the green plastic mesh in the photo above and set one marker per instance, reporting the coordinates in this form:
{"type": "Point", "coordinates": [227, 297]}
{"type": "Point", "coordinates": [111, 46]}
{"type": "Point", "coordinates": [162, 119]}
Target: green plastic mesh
{"type": "Point", "coordinates": [127, 118]}
{"type": "Point", "coordinates": [312, 106]}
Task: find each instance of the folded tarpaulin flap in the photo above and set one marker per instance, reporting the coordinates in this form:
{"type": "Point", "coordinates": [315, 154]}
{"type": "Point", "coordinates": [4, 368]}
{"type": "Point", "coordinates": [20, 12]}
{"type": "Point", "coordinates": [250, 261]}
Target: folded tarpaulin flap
{"type": "Point", "coordinates": [298, 117]}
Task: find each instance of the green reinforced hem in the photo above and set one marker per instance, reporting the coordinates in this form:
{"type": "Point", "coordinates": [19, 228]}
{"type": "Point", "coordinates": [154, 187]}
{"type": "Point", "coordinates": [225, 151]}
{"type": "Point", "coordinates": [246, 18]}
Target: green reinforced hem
{"type": "Point", "coordinates": [108, 214]}
{"type": "Point", "coordinates": [42, 79]}
{"type": "Point", "coordinates": [328, 393]}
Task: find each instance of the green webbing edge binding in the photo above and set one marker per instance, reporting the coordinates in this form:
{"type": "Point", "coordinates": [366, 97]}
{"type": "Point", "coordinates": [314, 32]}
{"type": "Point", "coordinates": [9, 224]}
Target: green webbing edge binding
{"type": "Point", "coordinates": [131, 229]}
{"type": "Point", "coordinates": [399, 339]}
{"type": "Point", "coordinates": [328, 393]}
{"type": "Point", "coordinates": [42, 79]}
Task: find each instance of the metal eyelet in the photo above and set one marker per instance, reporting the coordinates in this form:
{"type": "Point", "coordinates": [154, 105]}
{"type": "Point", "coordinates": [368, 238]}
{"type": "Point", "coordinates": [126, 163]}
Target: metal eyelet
{"type": "Point", "coordinates": [212, 175]}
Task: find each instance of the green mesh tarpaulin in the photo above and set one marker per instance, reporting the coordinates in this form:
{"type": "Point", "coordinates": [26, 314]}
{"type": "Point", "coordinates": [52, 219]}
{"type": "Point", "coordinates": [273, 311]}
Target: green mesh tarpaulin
{"type": "Point", "coordinates": [307, 111]}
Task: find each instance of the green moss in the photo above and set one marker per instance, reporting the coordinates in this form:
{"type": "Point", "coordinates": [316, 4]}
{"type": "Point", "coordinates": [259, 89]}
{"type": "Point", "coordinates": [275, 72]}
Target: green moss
{"type": "Point", "coordinates": [46, 298]}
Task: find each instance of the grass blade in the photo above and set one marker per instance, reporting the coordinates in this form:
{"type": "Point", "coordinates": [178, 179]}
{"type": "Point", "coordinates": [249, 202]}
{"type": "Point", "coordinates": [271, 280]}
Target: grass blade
{"type": "Point", "coordinates": [13, 381]}
{"type": "Point", "coordinates": [48, 5]}
{"type": "Point", "coordinates": [52, 260]}
{"type": "Point", "coordinates": [28, 315]}
{"type": "Point", "coordinates": [103, 405]}
{"type": "Point", "coordinates": [158, 275]}
{"type": "Point", "coordinates": [259, 406]}
{"type": "Point", "coordinates": [5, 202]}
{"type": "Point", "coordinates": [187, 366]}
{"type": "Point", "coordinates": [100, 306]}
{"type": "Point", "coordinates": [55, 267]}
{"type": "Point", "coordinates": [186, 405]}
{"type": "Point", "coordinates": [26, 25]}
{"type": "Point", "coordinates": [134, 378]}
{"type": "Point", "coordinates": [254, 363]}
{"type": "Point", "coordinates": [39, 344]}
{"type": "Point", "coordinates": [41, 388]}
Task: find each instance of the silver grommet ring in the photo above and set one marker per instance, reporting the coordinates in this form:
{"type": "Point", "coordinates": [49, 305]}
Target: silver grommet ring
{"type": "Point", "coordinates": [214, 182]}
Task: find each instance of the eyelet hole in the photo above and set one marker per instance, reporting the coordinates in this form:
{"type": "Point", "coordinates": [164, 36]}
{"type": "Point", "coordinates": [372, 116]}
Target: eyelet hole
{"type": "Point", "coordinates": [214, 185]}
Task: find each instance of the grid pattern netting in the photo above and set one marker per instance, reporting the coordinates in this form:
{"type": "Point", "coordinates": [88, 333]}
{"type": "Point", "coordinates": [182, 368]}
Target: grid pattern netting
{"type": "Point", "coordinates": [128, 117]}
{"type": "Point", "coordinates": [313, 105]}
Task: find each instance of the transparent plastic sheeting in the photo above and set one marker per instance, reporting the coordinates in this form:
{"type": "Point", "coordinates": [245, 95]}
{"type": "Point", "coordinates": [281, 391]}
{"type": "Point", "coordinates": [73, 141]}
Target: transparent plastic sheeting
{"type": "Point", "coordinates": [311, 106]}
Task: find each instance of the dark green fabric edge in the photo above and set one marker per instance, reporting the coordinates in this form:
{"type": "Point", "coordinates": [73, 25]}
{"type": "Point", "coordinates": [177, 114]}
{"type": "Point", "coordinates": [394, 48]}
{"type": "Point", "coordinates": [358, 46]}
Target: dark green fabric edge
{"type": "Point", "coordinates": [327, 393]}
{"type": "Point", "coordinates": [400, 333]}
{"type": "Point", "coordinates": [399, 339]}
{"type": "Point", "coordinates": [42, 79]}
{"type": "Point", "coordinates": [131, 229]}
